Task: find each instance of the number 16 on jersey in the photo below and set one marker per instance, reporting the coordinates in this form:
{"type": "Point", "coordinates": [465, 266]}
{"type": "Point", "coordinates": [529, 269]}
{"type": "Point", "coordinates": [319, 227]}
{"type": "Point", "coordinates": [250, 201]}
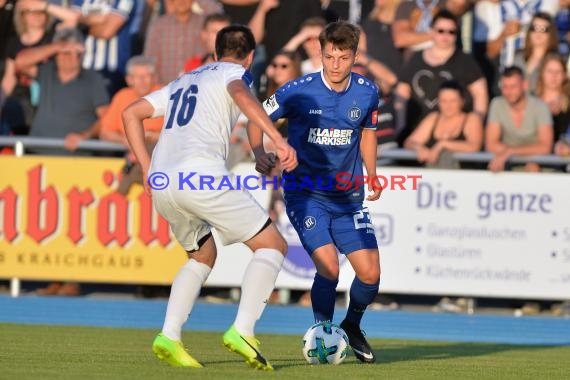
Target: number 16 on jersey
{"type": "Point", "coordinates": [183, 114]}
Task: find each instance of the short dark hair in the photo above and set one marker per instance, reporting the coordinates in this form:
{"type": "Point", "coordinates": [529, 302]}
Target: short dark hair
{"type": "Point", "coordinates": [453, 85]}
{"type": "Point", "coordinates": [444, 14]}
{"type": "Point", "coordinates": [341, 34]}
{"type": "Point", "coordinates": [512, 71]}
{"type": "Point", "coordinates": [234, 41]}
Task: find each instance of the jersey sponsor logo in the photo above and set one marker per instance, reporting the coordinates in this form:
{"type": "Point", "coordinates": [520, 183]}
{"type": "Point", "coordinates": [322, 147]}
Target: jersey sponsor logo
{"type": "Point", "coordinates": [270, 105]}
{"type": "Point", "coordinates": [315, 112]}
{"type": "Point", "coordinates": [329, 136]}
{"type": "Point", "coordinates": [354, 113]}
{"type": "Point", "coordinates": [374, 117]}
{"type": "Point", "coordinates": [309, 222]}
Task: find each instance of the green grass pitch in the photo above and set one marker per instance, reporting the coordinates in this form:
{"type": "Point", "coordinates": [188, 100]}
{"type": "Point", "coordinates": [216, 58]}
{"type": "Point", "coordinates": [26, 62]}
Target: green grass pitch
{"type": "Point", "coordinates": [64, 352]}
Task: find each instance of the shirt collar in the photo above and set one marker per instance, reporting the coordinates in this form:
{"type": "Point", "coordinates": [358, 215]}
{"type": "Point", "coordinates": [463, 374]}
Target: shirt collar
{"type": "Point", "coordinates": [329, 87]}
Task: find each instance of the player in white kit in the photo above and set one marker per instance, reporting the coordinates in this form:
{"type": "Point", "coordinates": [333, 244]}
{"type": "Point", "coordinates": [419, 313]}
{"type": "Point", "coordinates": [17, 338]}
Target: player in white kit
{"type": "Point", "coordinates": [199, 110]}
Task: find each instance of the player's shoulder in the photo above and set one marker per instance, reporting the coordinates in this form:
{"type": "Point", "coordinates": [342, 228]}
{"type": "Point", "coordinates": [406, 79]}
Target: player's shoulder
{"type": "Point", "coordinates": [363, 85]}
{"type": "Point", "coordinates": [302, 84]}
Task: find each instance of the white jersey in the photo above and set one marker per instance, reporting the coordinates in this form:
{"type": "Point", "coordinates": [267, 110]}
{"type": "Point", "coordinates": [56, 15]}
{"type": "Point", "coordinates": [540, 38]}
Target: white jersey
{"type": "Point", "coordinates": [198, 115]}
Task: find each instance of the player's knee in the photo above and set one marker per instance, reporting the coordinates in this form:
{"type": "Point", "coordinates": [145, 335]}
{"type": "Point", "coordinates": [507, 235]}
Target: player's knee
{"type": "Point", "coordinates": [329, 271]}
{"type": "Point", "coordinates": [279, 243]}
{"type": "Point", "coordinates": [370, 276]}
{"type": "Point", "coordinates": [282, 245]}
{"type": "Point", "coordinates": [207, 259]}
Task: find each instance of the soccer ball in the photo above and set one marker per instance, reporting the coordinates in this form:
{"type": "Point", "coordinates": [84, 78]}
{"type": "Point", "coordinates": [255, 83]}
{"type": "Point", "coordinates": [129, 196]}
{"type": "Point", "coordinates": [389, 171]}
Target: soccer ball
{"type": "Point", "coordinates": [324, 343]}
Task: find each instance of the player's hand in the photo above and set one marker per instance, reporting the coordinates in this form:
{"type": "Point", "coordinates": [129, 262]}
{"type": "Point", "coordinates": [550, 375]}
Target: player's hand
{"type": "Point", "coordinates": [265, 163]}
{"type": "Point", "coordinates": [375, 188]}
{"type": "Point", "coordinates": [287, 156]}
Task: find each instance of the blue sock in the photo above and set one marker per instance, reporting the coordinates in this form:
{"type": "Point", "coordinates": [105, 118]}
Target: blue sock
{"type": "Point", "coordinates": [323, 298]}
{"type": "Point", "coordinates": [361, 295]}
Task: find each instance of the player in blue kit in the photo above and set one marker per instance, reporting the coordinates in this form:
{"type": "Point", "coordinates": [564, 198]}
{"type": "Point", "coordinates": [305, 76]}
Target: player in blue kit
{"type": "Point", "coordinates": [332, 118]}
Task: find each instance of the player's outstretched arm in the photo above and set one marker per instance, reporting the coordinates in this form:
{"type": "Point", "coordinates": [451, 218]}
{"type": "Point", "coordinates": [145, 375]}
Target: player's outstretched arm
{"type": "Point", "coordinates": [264, 162]}
{"type": "Point", "coordinates": [251, 107]}
{"type": "Point", "coordinates": [133, 117]}
{"type": "Point", "coordinates": [368, 146]}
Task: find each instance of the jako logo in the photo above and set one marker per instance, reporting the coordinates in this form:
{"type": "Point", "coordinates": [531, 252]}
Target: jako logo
{"type": "Point", "coordinates": [310, 222]}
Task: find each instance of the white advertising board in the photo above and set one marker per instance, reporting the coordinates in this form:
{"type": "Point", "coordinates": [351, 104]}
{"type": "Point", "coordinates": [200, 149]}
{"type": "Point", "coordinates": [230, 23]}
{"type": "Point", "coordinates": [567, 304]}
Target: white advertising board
{"type": "Point", "coordinates": [470, 233]}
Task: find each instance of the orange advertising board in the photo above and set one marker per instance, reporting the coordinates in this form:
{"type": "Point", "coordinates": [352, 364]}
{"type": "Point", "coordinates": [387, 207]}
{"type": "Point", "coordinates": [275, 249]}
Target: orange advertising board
{"type": "Point", "coordinates": [61, 218]}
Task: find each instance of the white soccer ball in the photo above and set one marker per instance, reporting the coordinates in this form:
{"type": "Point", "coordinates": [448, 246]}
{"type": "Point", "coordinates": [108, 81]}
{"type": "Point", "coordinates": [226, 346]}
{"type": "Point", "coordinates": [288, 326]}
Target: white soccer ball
{"type": "Point", "coordinates": [324, 343]}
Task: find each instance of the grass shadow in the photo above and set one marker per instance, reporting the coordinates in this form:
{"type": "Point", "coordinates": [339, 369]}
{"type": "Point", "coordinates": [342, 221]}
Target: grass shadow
{"type": "Point", "coordinates": [399, 352]}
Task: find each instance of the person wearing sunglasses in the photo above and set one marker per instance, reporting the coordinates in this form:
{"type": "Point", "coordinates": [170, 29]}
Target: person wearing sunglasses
{"type": "Point", "coordinates": [541, 39]}
{"type": "Point", "coordinates": [285, 66]}
{"type": "Point", "coordinates": [425, 72]}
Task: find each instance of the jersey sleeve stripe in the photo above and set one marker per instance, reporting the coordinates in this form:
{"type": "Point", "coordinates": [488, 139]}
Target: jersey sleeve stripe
{"type": "Point", "coordinates": [247, 78]}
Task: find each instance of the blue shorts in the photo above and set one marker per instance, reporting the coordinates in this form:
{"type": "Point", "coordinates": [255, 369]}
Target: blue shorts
{"type": "Point", "coordinates": [318, 222]}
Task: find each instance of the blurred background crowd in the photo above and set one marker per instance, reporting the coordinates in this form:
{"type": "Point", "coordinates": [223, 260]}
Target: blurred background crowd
{"type": "Point", "coordinates": [69, 67]}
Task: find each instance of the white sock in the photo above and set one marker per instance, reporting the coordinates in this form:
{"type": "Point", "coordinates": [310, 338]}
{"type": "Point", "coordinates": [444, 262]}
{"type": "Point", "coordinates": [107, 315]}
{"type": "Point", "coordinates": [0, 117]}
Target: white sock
{"type": "Point", "coordinates": [258, 283]}
{"type": "Point", "coordinates": [183, 293]}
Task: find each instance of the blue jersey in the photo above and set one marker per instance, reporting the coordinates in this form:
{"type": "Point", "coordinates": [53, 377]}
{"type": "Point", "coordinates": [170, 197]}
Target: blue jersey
{"type": "Point", "coordinates": [324, 128]}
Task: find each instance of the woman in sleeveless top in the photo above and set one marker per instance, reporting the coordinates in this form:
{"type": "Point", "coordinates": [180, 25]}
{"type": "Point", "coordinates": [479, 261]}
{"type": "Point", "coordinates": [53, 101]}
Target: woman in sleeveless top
{"type": "Point", "coordinates": [446, 131]}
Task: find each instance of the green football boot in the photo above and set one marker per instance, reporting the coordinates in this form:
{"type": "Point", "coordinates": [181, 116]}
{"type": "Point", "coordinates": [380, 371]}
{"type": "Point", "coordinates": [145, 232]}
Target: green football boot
{"type": "Point", "coordinates": [173, 352]}
{"type": "Point", "coordinates": [248, 347]}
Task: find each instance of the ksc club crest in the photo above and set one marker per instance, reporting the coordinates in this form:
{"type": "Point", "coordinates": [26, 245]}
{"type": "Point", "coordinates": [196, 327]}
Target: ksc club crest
{"type": "Point", "coordinates": [298, 262]}
{"type": "Point", "coordinates": [309, 222]}
{"type": "Point", "coordinates": [354, 113]}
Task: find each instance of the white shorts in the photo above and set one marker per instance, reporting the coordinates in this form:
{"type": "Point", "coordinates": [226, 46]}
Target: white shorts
{"type": "Point", "coordinates": [235, 214]}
